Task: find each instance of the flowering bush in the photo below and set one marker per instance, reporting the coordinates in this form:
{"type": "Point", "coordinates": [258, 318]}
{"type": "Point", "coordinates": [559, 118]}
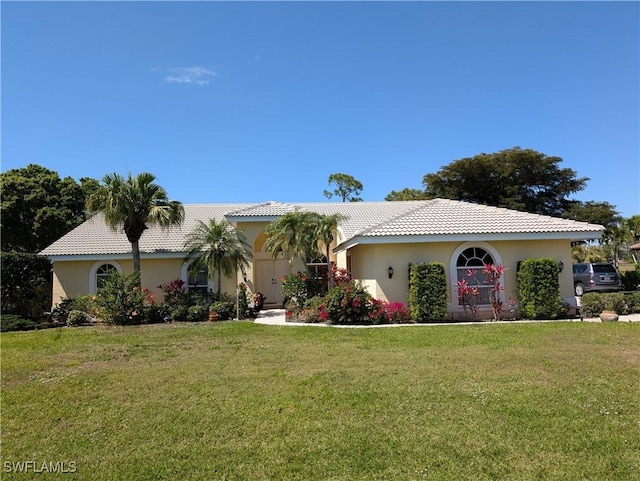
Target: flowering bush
{"type": "Point", "coordinates": [121, 300]}
{"type": "Point", "coordinates": [348, 304]}
{"type": "Point", "coordinates": [468, 295]}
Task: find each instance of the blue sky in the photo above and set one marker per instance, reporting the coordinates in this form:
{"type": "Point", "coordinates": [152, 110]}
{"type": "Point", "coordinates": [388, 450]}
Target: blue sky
{"type": "Point", "coordinates": [256, 101]}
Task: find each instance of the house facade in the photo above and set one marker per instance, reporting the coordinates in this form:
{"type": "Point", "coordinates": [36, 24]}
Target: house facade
{"type": "Point", "coordinates": [376, 242]}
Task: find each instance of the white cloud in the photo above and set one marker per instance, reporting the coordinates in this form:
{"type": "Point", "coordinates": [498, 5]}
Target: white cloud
{"type": "Point", "coordinates": [191, 75]}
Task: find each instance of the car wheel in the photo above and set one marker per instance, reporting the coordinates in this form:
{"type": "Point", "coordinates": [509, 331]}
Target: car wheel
{"type": "Point", "coordinates": [579, 289]}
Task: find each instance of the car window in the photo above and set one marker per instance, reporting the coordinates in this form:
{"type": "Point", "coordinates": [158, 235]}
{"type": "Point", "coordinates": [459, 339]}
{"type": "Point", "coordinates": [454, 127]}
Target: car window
{"type": "Point", "coordinates": [604, 268]}
{"type": "Point", "coordinates": [579, 268]}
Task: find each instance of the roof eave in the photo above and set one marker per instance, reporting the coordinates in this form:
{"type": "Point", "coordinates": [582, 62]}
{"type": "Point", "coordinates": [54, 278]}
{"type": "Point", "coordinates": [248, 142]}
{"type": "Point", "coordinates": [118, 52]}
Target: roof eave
{"type": "Point", "coordinates": [487, 237]}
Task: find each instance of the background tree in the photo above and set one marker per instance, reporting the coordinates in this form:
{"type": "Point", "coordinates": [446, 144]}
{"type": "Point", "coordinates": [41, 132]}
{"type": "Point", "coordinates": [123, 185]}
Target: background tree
{"type": "Point", "coordinates": [518, 179]}
{"type": "Point", "coordinates": [347, 188]}
{"type": "Point", "coordinates": [38, 208]}
{"type": "Point", "coordinates": [132, 204]}
{"type": "Point", "coordinates": [407, 194]}
{"type": "Point", "coordinates": [219, 248]}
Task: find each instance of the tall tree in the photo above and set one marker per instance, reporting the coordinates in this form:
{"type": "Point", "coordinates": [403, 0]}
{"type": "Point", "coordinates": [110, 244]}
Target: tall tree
{"type": "Point", "coordinates": [133, 204]}
{"type": "Point", "coordinates": [37, 208]}
{"type": "Point", "coordinates": [407, 194]}
{"type": "Point", "coordinates": [520, 179]}
{"type": "Point", "coordinates": [219, 248]}
{"type": "Point", "coordinates": [346, 187]}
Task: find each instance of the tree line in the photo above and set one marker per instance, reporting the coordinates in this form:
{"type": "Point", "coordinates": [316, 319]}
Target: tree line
{"type": "Point", "coordinates": [38, 207]}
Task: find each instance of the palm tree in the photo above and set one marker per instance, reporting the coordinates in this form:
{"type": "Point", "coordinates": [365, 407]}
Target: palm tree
{"type": "Point", "coordinates": [134, 203]}
{"type": "Point", "coordinates": [219, 248]}
{"type": "Point", "coordinates": [326, 226]}
{"type": "Point", "coordinates": [293, 234]}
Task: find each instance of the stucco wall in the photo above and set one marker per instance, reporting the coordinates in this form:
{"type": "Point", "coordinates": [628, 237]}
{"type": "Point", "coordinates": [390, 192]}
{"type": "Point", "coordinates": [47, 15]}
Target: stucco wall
{"type": "Point", "coordinates": [370, 264]}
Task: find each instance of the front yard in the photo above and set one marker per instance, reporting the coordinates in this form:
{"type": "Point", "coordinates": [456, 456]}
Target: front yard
{"type": "Point", "coordinates": [240, 401]}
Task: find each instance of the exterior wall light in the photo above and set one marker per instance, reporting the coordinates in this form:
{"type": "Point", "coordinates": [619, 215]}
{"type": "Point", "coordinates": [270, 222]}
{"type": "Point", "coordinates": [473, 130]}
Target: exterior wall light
{"type": "Point", "coordinates": [390, 272]}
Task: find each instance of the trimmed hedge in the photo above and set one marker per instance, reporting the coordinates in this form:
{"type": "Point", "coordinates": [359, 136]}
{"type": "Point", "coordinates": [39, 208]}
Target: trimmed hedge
{"type": "Point", "coordinates": [539, 288]}
{"type": "Point", "coordinates": [428, 292]}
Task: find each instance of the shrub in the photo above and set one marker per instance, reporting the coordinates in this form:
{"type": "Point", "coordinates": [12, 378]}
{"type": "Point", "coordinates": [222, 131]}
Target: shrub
{"type": "Point", "coordinates": [121, 300]}
{"type": "Point", "coordinates": [243, 301]}
{"type": "Point", "coordinates": [389, 312]}
{"type": "Point", "coordinates": [156, 313]}
{"type": "Point", "coordinates": [14, 322]}
{"type": "Point", "coordinates": [197, 313]}
{"type": "Point", "coordinates": [225, 309]}
{"type": "Point", "coordinates": [631, 279]}
{"type": "Point", "coordinates": [633, 301]}
{"type": "Point", "coordinates": [592, 304]}
{"type": "Point", "coordinates": [348, 304]}
{"type": "Point", "coordinates": [539, 288]}
{"type": "Point", "coordinates": [615, 301]}
{"type": "Point", "coordinates": [26, 285]}
{"type": "Point", "coordinates": [78, 318]}
{"type": "Point", "coordinates": [179, 313]}
{"type": "Point", "coordinates": [428, 292]}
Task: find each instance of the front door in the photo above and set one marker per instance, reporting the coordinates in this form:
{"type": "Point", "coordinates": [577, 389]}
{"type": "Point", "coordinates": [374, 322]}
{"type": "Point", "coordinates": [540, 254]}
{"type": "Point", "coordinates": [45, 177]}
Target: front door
{"type": "Point", "coordinates": [268, 279]}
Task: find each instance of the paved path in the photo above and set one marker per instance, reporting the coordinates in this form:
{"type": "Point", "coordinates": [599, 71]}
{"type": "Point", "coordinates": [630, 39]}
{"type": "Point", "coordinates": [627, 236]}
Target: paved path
{"type": "Point", "coordinates": [276, 317]}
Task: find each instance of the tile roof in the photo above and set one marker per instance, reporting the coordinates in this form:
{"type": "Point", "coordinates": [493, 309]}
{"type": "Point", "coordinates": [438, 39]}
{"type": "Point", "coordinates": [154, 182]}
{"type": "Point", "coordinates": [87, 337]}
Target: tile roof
{"type": "Point", "coordinates": [94, 237]}
{"type": "Point", "coordinates": [364, 222]}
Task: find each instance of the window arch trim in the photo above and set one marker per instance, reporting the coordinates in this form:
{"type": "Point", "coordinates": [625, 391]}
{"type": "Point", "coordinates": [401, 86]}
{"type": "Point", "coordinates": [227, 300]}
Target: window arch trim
{"type": "Point", "coordinates": [93, 273]}
{"type": "Point", "coordinates": [453, 269]}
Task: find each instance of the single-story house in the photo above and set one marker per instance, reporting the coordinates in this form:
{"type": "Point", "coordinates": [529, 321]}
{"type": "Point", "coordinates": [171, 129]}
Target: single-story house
{"type": "Point", "coordinates": [376, 242]}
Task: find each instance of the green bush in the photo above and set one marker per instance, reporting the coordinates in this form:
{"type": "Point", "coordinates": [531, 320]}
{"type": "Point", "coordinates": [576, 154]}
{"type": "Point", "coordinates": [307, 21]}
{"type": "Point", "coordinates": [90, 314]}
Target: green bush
{"type": "Point", "coordinates": [197, 313]}
{"type": "Point", "coordinates": [428, 292]}
{"type": "Point", "coordinates": [615, 301]}
{"type": "Point", "coordinates": [225, 309]}
{"type": "Point", "coordinates": [348, 304]}
{"type": "Point", "coordinates": [179, 313]}
{"type": "Point", "coordinates": [631, 279]}
{"type": "Point", "coordinates": [121, 300]}
{"type": "Point", "coordinates": [539, 288]}
{"type": "Point", "coordinates": [243, 301]}
{"type": "Point", "coordinates": [78, 318]}
{"type": "Point", "coordinates": [26, 285]}
{"type": "Point", "coordinates": [633, 301]}
{"type": "Point", "coordinates": [156, 313]}
{"type": "Point", "coordinates": [14, 322]}
{"type": "Point", "coordinates": [592, 304]}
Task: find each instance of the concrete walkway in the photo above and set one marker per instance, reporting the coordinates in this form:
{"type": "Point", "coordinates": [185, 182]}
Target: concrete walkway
{"type": "Point", "coordinates": [276, 317]}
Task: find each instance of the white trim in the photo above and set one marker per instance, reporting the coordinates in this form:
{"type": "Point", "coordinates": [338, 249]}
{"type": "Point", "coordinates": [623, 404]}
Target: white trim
{"type": "Point", "coordinates": [93, 280]}
{"type": "Point", "coordinates": [184, 275]}
{"type": "Point", "coordinates": [488, 236]}
{"type": "Point", "coordinates": [108, 257]}
{"type": "Point", "coordinates": [454, 306]}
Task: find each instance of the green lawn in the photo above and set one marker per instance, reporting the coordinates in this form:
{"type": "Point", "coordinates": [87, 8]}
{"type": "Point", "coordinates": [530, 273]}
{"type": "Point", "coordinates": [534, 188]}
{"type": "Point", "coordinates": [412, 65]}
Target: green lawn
{"type": "Point", "coordinates": [241, 401]}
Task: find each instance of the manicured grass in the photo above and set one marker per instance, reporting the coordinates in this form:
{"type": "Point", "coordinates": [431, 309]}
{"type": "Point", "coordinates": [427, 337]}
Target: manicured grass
{"type": "Point", "coordinates": [241, 401]}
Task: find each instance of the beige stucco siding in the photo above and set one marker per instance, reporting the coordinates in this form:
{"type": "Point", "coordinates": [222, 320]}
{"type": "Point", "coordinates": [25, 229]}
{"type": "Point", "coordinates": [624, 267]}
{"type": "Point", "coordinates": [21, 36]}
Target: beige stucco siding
{"type": "Point", "coordinates": [370, 264]}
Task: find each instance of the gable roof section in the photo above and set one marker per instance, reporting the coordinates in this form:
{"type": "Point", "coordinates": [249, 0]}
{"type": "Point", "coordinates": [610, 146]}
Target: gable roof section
{"type": "Point", "coordinates": [94, 238]}
{"type": "Point", "coordinates": [443, 219]}
{"type": "Point", "coordinates": [364, 223]}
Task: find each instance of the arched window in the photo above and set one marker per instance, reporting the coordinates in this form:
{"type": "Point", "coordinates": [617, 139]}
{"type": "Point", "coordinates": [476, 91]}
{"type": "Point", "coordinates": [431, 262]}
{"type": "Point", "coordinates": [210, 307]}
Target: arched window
{"type": "Point", "coordinates": [467, 263]}
{"type": "Point", "coordinates": [199, 282]}
{"type": "Point", "coordinates": [317, 267]}
{"type": "Point", "coordinates": [100, 273]}
{"type": "Point", "coordinates": [469, 266]}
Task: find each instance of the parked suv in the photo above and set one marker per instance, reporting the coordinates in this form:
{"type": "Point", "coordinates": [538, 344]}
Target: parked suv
{"type": "Point", "coordinates": [599, 276]}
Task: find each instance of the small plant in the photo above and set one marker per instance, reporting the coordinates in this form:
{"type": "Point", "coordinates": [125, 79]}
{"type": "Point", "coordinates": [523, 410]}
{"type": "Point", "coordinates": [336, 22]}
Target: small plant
{"type": "Point", "coordinates": [78, 318]}
{"type": "Point", "coordinates": [468, 297]}
{"type": "Point", "coordinates": [493, 275]}
{"type": "Point", "coordinates": [243, 302]}
{"type": "Point", "coordinates": [197, 313]}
